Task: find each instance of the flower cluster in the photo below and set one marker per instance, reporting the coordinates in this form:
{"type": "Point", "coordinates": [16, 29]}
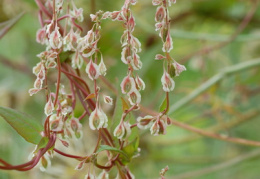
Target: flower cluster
{"type": "Point", "coordinates": [132, 83]}
{"type": "Point", "coordinates": [68, 51]}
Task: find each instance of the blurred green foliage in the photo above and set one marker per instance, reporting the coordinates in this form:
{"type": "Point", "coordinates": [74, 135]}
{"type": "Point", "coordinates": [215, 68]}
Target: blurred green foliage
{"type": "Point", "coordinates": [195, 25]}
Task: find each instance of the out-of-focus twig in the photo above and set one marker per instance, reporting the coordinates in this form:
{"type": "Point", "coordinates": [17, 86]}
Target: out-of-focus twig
{"type": "Point", "coordinates": [240, 28]}
{"type": "Point", "coordinates": [215, 79]}
{"type": "Point", "coordinates": [6, 26]}
{"type": "Point", "coordinates": [220, 166]}
{"type": "Point", "coordinates": [19, 67]}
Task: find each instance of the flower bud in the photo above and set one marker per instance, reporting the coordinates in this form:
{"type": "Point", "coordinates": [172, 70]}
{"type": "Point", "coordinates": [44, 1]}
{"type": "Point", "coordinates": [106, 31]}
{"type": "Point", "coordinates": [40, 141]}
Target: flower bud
{"type": "Point", "coordinates": [178, 68]}
{"type": "Point", "coordinates": [37, 68]}
{"type": "Point", "coordinates": [159, 57]}
{"type": "Point", "coordinates": [145, 122]}
{"type": "Point", "coordinates": [127, 84]}
{"type": "Point", "coordinates": [38, 83]}
{"type": "Point", "coordinates": [33, 91]}
{"type": "Point", "coordinates": [102, 67]}
{"type": "Point", "coordinates": [114, 15]}
{"type": "Point", "coordinates": [140, 83]}
{"type": "Point", "coordinates": [158, 127]}
{"type": "Point", "coordinates": [156, 2]}
{"type": "Point", "coordinates": [77, 13]}
{"type": "Point", "coordinates": [158, 26]}
{"type": "Point", "coordinates": [168, 44]}
{"type": "Point", "coordinates": [97, 119]}
{"type": "Point", "coordinates": [108, 100]}
{"type": "Point", "coordinates": [123, 130]}
{"type": "Point", "coordinates": [50, 64]}
{"type": "Point", "coordinates": [124, 55]}
{"type": "Point", "coordinates": [41, 36]}
{"type": "Point", "coordinates": [134, 97]}
{"type": "Point", "coordinates": [136, 63]}
{"type": "Point", "coordinates": [76, 60]}
{"type": "Point", "coordinates": [89, 176]}
{"type": "Point", "coordinates": [103, 175]}
{"type": "Point", "coordinates": [92, 70]}
{"type": "Point", "coordinates": [167, 82]}
{"type": "Point", "coordinates": [160, 14]}
{"type": "Point", "coordinates": [49, 107]}
{"type": "Point", "coordinates": [131, 24]}
{"type": "Point", "coordinates": [45, 162]}
{"type": "Point", "coordinates": [136, 44]}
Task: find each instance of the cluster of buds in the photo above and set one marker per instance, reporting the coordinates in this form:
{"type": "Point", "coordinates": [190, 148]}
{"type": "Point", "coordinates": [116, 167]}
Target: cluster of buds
{"type": "Point", "coordinates": [171, 68]}
{"type": "Point", "coordinates": [132, 84]}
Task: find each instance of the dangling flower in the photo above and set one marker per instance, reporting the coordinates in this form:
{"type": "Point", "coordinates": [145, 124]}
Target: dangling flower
{"type": "Point", "coordinates": [92, 70]}
{"type": "Point", "coordinates": [156, 2]}
{"type": "Point", "coordinates": [167, 82]}
{"type": "Point", "coordinates": [108, 100]}
{"type": "Point", "coordinates": [89, 176]}
{"type": "Point", "coordinates": [140, 83]}
{"type": "Point", "coordinates": [102, 67]}
{"type": "Point", "coordinates": [103, 175]}
{"type": "Point", "coordinates": [70, 41]}
{"type": "Point", "coordinates": [160, 14]}
{"type": "Point", "coordinates": [145, 122]}
{"type": "Point", "coordinates": [168, 44]}
{"type": "Point", "coordinates": [158, 127]}
{"type": "Point", "coordinates": [41, 36]}
{"type": "Point", "coordinates": [76, 127]}
{"type": "Point", "coordinates": [77, 13]}
{"type": "Point", "coordinates": [127, 84]}
{"type": "Point", "coordinates": [76, 60]}
{"type": "Point", "coordinates": [136, 63]}
{"type": "Point", "coordinates": [123, 130]}
{"type": "Point", "coordinates": [49, 107]}
{"type": "Point", "coordinates": [134, 97]}
{"type": "Point", "coordinates": [178, 68]}
{"type": "Point", "coordinates": [97, 119]}
{"type": "Point", "coordinates": [55, 39]}
{"type": "Point", "coordinates": [56, 122]}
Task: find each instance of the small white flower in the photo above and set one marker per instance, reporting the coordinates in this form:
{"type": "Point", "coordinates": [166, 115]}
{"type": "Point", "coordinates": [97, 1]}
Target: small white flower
{"type": "Point", "coordinates": [167, 82]}
{"type": "Point", "coordinates": [92, 70]}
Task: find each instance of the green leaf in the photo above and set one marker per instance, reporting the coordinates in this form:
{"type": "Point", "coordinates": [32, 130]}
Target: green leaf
{"type": "Point", "coordinates": [24, 125]}
{"type": "Point", "coordinates": [131, 149]}
{"type": "Point", "coordinates": [43, 142]}
{"type": "Point", "coordinates": [109, 148]}
{"type": "Point", "coordinates": [163, 105]}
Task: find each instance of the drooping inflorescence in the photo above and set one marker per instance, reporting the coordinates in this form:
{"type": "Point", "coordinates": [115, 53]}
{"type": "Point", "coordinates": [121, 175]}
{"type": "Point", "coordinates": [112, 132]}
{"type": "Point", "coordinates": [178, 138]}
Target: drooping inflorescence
{"type": "Point", "coordinates": [67, 51]}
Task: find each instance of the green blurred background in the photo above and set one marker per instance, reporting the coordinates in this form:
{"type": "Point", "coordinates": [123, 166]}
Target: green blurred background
{"type": "Point", "coordinates": [230, 107]}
